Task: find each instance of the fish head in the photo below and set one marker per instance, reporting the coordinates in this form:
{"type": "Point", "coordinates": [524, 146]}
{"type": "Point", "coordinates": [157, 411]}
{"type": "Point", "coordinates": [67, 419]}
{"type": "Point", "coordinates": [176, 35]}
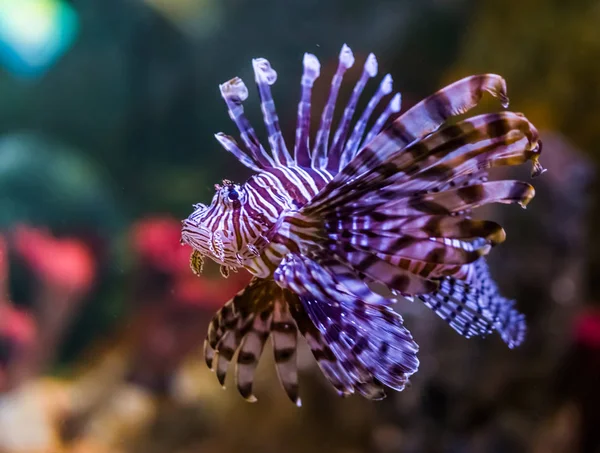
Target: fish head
{"type": "Point", "coordinates": [226, 230]}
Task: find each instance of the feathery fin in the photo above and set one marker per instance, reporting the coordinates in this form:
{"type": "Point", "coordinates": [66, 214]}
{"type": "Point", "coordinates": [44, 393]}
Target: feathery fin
{"type": "Point", "coordinates": [339, 139]}
{"type": "Point", "coordinates": [311, 71]}
{"type": "Point", "coordinates": [234, 92]}
{"type": "Point", "coordinates": [423, 119]}
{"type": "Point", "coordinates": [474, 307]}
{"type": "Point", "coordinates": [243, 325]}
{"type": "Point", "coordinates": [230, 145]}
{"type": "Point", "coordinates": [353, 143]}
{"type": "Point", "coordinates": [320, 151]}
{"type": "Point", "coordinates": [266, 76]}
{"type": "Point", "coordinates": [368, 341]}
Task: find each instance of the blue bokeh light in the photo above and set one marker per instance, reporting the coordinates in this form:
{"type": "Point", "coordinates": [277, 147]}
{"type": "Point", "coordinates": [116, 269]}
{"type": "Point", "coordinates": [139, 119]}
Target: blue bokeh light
{"type": "Point", "coordinates": [34, 34]}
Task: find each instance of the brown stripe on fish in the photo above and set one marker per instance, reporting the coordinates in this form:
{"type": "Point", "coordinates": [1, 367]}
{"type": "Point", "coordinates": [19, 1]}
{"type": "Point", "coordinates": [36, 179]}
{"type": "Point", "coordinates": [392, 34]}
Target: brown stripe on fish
{"type": "Point", "coordinates": [472, 194]}
{"type": "Point", "coordinates": [225, 351]}
{"type": "Point", "coordinates": [249, 354]}
{"type": "Point", "coordinates": [438, 107]}
{"type": "Point", "coordinates": [284, 334]}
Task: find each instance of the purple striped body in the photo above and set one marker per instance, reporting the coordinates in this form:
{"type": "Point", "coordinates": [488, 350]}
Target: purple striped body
{"type": "Point", "coordinates": [369, 202]}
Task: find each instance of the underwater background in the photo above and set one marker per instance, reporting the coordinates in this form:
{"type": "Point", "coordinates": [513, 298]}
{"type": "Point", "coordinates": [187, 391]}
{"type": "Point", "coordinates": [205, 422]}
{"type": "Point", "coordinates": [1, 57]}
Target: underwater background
{"type": "Point", "coordinates": [108, 110]}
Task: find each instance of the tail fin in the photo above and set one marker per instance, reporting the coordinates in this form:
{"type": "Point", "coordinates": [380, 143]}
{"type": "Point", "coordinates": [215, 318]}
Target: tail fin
{"type": "Point", "coordinates": [475, 307]}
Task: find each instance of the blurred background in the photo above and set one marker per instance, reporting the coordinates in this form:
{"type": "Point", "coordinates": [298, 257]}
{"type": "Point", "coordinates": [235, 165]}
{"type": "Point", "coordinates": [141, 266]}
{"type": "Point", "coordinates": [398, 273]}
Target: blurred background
{"type": "Point", "coordinates": [107, 115]}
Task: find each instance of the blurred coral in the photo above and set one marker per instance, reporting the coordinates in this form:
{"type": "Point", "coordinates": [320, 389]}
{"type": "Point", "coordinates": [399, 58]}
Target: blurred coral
{"type": "Point", "coordinates": [208, 293]}
{"type": "Point", "coordinates": [174, 324]}
{"type": "Point", "coordinates": [156, 240]}
{"type": "Point", "coordinates": [3, 267]}
{"type": "Point", "coordinates": [18, 335]}
{"type": "Point", "coordinates": [587, 329]}
{"type": "Point", "coordinates": [18, 332]}
{"type": "Point", "coordinates": [66, 263]}
{"type": "Point", "coordinates": [65, 269]}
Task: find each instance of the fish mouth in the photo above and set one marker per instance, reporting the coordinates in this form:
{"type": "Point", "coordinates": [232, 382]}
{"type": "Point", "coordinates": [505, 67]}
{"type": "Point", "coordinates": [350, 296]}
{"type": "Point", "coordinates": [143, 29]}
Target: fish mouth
{"type": "Point", "coordinates": [194, 234]}
{"type": "Point", "coordinates": [209, 243]}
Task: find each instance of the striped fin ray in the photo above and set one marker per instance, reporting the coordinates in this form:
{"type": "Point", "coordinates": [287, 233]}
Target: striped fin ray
{"type": "Point", "coordinates": [452, 153]}
{"type": "Point", "coordinates": [475, 307]}
{"type": "Point", "coordinates": [388, 259]}
{"type": "Point", "coordinates": [383, 268]}
{"type": "Point", "coordinates": [510, 323]}
{"type": "Point", "coordinates": [436, 267]}
{"type": "Point", "coordinates": [320, 150]}
{"type": "Point", "coordinates": [378, 242]}
{"type": "Point", "coordinates": [407, 247]}
{"type": "Point", "coordinates": [425, 226]}
{"type": "Point", "coordinates": [344, 277]}
{"type": "Point", "coordinates": [458, 305]}
{"type": "Point", "coordinates": [463, 198]}
{"type": "Point", "coordinates": [284, 334]}
{"type": "Point", "coordinates": [448, 202]}
{"type": "Point", "coordinates": [488, 154]}
{"type": "Point", "coordinates": [230, 145]}
{"type": "Point", "coordinates": [334, 154]}
{"type": "Point", "coordinates": [250, 350]}
{"type": "Point", "coordinates": [426, 270]}
{"type": "Point", "coordinates": [353, 143]}
{"type": "Point", "coordinates": [266, 76]}
{"type": "Point", "coordinates": [467, 179]}
{"type": "Point", "coordinates": [380, 267]}
{"type": "Point", "coordinates": [243, 325]}
{"type": "Point", "coordinates": [361, 353]}
{"type": "Point", "coordinates": [394, 106]}
{"type": "Point", "coordinates": [468, 147]}
{"type": "Point", "coordinates": [311, 71]}
{"type": "Point", "coordinates": [422, 119]}
{"type": "Point", "coordinates": [234, 92]}
{"type": "Point", "coordinates": [487, 136]}
{"type": "Point", "coordinates": [331, 368]}
{"type": "Point", "coordinates": [368, 341]}
{"type": "Point", "coordinates": [322, 156]}
{"type": "Point", "coordinates": [321, 237]}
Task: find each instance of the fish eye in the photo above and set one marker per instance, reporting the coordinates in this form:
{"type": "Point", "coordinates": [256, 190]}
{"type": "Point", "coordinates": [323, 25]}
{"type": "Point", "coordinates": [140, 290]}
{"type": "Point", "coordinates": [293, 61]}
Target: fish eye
{"type": "Point", "coordinates": [233, 195]}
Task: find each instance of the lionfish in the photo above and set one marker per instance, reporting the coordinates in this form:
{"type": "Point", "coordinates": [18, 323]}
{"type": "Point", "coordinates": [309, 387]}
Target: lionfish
{"type": "Point", "coordinates": [388, 205]}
